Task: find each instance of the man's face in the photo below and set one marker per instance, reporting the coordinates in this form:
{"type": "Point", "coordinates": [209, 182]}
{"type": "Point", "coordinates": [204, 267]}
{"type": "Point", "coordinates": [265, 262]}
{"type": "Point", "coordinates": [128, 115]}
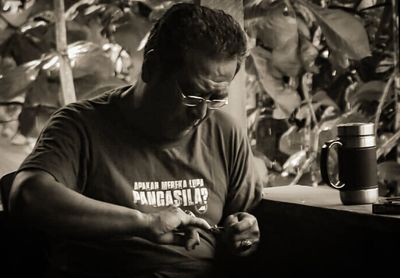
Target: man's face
{"type": "Point", "coordinates": [200, 85]}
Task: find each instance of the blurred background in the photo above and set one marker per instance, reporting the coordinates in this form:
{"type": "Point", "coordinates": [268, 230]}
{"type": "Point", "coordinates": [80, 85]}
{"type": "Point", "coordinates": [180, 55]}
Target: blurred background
{"type": "Point", "coordinates": [311, 65]}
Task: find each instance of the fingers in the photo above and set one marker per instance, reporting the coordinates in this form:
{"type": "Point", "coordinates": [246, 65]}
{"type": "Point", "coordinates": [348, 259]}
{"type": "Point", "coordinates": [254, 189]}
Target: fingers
{"type": "Point", "coordinates": [189, 238]}
{"type": "Point", "coordinates": [189, 219]}
{"type": "Point", "coordinates": [192, 239]}
{"type": "Point", "coordinates": [176, 217]}
{"type": "Point", "coordinates": [244, 242]}
{"type": "Point", "coordinates": [246, 248]}
{"type": "Point", "coordinates": [241, 222]}
{"type": "Point", "coordinates": [174, 226]}
{"type": "Point", "coordinates": [242, 232]}
{"type": "Point", "coordinates": [197, 222]}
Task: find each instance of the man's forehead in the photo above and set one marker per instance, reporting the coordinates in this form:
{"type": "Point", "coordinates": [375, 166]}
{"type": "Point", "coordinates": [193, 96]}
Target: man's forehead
{"type": "Point", "coordinates": [216, 69]}
{"type": "Point", "coordinates": [209, 85]}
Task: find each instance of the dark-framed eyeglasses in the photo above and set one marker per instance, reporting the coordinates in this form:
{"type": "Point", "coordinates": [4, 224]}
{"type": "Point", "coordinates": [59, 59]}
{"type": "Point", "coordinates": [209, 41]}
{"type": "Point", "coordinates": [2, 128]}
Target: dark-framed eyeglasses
{"type": "Point", "coordinates": [194, 101]}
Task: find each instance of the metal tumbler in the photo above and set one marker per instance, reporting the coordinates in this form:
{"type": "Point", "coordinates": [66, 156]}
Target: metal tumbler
{"type": "Point", "coordinates": [357, 163]}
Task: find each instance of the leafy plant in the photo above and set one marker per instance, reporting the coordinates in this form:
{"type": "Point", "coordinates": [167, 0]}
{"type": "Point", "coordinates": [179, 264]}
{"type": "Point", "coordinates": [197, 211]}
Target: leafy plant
{"type": "Point", "coordinates": [312, 65]}
{"type": "Point", "coordinates": [29, 65]}
{"type": "Point", "coordinates": [322, 64]}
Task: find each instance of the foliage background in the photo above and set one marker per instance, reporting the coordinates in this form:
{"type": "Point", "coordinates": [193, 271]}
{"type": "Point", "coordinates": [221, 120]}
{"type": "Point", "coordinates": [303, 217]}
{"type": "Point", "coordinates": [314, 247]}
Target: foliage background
{"type": "Point", "coordinates": [311, 65]}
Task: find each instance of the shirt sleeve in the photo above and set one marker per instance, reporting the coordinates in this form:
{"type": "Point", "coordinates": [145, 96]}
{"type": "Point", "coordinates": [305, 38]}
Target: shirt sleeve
{"type": "Point", "coordinates": [245, 183]}
{"type": "Point", "coordinates": [61, 150]}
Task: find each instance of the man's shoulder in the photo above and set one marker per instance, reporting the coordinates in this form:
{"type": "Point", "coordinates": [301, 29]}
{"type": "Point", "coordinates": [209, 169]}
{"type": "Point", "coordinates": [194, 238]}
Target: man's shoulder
{"type": "Point", "coordinates": [103, 99]}
{"type": "Point", "coordinates": [99, 103]}
{"type": "Point", "coordinates": [108, 95]}
{"type": "Point", "coordinates": [222, 125]}
{"type": "Point", "coordinates": [222, 117]}
{"type": "Point", "coordinates": [224, 121]}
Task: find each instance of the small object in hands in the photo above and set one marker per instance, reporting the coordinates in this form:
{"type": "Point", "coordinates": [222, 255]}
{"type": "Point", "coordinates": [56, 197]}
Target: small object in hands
{"type": "Point", "coordinates": [246, 243]}
{"type": "Point", "coordinates": [215, 229]}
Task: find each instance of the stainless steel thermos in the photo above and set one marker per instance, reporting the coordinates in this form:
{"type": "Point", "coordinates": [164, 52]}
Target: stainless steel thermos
{"type": "Point", "coordinates": [357, 165]}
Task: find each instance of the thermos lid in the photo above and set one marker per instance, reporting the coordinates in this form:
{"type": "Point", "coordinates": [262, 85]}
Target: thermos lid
{"type": "Point", "coordinates": [356, 129]}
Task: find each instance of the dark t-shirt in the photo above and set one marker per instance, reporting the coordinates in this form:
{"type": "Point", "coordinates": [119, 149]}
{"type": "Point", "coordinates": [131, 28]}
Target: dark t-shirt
{"type": "Point", "coordinates": [90, 148]}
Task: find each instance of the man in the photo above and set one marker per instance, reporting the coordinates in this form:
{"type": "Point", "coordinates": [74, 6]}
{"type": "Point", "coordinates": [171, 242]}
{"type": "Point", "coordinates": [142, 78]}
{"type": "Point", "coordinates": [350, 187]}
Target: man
{"type": "Point", "coordinates": [130, 183]}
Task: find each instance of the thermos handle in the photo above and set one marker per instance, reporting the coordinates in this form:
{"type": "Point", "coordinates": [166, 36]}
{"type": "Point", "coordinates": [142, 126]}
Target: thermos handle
{"type": "Point", "coordinates": [324, 164]}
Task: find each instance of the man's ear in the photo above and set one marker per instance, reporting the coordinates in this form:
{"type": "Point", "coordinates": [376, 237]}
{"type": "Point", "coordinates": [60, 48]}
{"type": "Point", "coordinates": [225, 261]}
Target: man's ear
{"type": "Point", "coordinates": [150, 65]}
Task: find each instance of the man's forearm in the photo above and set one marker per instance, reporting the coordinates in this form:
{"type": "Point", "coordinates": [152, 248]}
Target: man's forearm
{"type": "Point", "coordinates": [46, 204]}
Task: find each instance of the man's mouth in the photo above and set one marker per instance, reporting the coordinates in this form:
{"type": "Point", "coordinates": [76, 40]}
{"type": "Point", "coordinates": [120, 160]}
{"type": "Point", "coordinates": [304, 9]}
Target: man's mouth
{"type": "Point", "coordinates": [192, 125]}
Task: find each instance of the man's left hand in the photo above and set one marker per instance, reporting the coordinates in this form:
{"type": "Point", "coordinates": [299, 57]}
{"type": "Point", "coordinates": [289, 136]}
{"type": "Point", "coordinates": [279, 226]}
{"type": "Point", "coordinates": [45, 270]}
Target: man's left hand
{"type": "Point", "coordinates": [242, 233]}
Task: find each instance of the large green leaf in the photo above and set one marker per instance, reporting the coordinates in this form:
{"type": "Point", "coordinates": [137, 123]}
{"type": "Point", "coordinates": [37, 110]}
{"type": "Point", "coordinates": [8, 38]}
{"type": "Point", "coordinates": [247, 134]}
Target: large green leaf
{"type": "Point", "coordinates": [285, 58]}
{"type": "Point", "coordinates": [129, 35]}
{"type": "Point", "coordinates": [369, 91]}
{"type": "Point", "coordinates": [160, 4]}
{"type": "Point", "coordinates": [231, 7]}
{"type": "Point", "coordinates": [7, 63]}
{"type": "Point", "coordinates": [17, 80]}
{"type": "Point", "coordinates": [86, 58]}
{"type": "Point", "coordinates": [43, 92]}
{"type": "Point", "coordinates": [23, 47]}
{"type": "Point", "coordinates": [318, 100]}
{"type": "Point", "coordinates": [286, 98]}
{"type": "Point", "coordinates": [308, 54]}
{"type": "Point", "coordinates": [5, 33]}
{"type": "Point", "coordinates": [277, 27]}
{"type": "Point", "coordinates": [273, 24]}
{"type": "Point", "coordinates": [44, 98]}
{"type": "Point", "coordinates": [91, 86]}
{"type": "Point", "coordinates": [16, 15]}
{"type": "Point", "coordinates": [33, 119]}
{"type": "Point", "coordinates": [344, 32]}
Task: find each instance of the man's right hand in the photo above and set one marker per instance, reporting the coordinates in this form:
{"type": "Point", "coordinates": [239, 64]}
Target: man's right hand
{"type": "Point", "coordinates": [174, 226]}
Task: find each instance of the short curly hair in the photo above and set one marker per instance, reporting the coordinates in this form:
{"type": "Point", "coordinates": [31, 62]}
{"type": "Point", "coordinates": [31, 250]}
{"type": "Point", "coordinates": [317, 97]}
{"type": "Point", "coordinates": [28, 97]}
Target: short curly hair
{"type": "Point", "coordinates": [186, 27]}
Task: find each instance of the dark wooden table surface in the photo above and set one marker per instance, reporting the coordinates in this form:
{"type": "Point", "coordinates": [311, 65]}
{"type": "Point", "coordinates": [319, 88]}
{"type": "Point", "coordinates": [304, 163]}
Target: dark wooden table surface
{"type": "Point", "coordinates": [306, 230]}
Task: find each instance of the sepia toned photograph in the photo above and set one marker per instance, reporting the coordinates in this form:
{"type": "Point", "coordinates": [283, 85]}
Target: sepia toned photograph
{"type": "Point", "coordinates": [199, 138]}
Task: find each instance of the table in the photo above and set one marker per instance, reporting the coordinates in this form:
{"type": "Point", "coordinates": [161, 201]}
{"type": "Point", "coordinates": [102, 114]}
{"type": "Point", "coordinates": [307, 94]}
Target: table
{"type": "Point", "coordinates": [306, 230]}
{"type": "Point", "coordinates": [320, 197]}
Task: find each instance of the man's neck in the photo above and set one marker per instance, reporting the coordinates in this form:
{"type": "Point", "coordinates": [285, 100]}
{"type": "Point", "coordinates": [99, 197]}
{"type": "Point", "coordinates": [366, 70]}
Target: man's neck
{"type": "Point", "coordinates": [138, 113]}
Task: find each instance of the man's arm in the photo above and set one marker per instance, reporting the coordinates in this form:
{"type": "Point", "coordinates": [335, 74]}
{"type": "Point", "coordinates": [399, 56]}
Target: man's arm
{"type": "Point", "coordinates": [241, 234]}
{"type": "Point", "coordinates": [38, 199]}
